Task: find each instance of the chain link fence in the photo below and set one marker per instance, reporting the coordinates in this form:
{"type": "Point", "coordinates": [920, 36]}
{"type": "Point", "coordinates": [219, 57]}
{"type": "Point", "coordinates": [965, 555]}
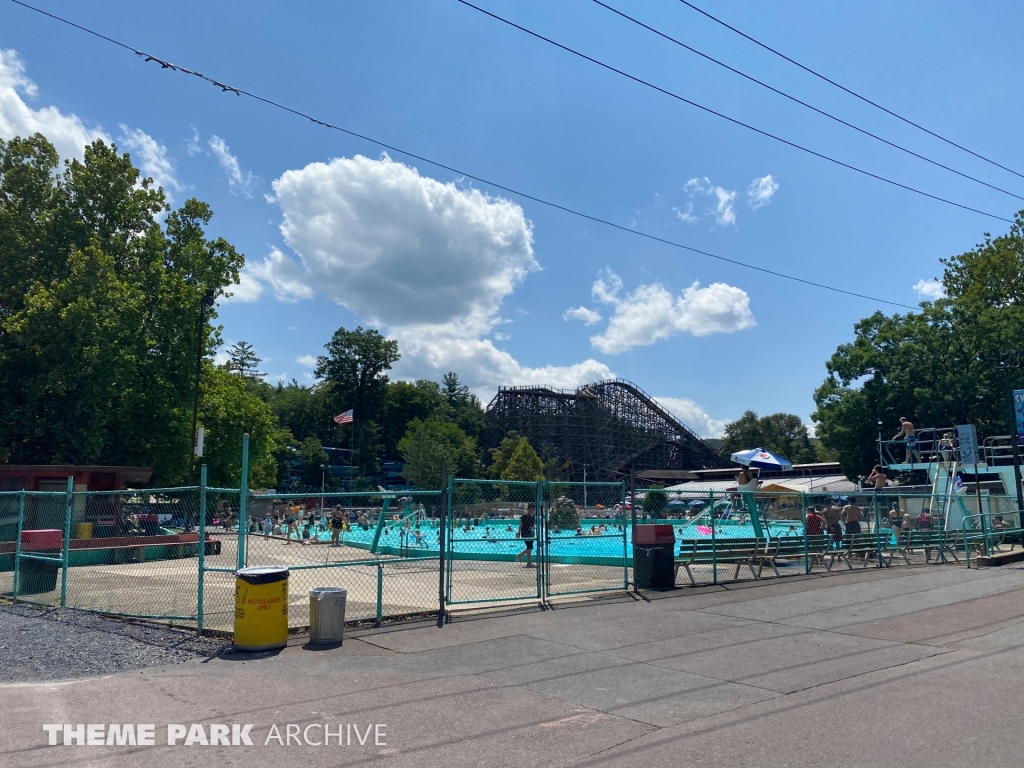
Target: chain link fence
{"type": "Point", "coordinates": [171, 554]}
{"type": "Point", "coordinates": [492, 541]}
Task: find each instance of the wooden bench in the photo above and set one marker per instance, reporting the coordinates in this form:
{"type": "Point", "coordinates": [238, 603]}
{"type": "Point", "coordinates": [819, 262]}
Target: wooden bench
{"type": "Point", "coordinates": [738, 552]}
{"type": "Point", "coordinates": [941, 543]}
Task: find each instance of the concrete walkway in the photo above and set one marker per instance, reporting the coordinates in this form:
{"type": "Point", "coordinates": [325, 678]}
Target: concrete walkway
{"type": "Point", "coordinates": [918, 666]}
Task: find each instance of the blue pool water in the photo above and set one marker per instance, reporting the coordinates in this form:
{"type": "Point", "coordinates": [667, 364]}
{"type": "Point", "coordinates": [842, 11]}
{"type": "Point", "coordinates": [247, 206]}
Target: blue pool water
{"type": "Point", "coordinates": [495, 540]}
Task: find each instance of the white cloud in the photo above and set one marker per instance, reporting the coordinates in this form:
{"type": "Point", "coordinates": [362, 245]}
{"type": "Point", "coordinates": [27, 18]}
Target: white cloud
{"type": "Point", "coordinates": [693, 416]}
{"type": "Point", "coordinates": [309, 361]}
{"type": "Point", "coordinates": [428, 261]}
{"type": "Point", "coordinates": [66, 132]}
{"type": "Point", "coordinates": [929, 289]}
{"type": "Point", "coordinates": [761, 191]}
{"type": "Point", "coordinates": [480, 365]}
{"type": "Point", "coordinates": [724, 213]}
{"type": "Point", "coordinates": [150, 156]}
{"type": "Point", "coordinates": [499, 336]}
{"type": "Point", "coordinates": [587, 316]}
{"type": "Point", "coordinates": [650, 313]}
{"type": "Point", "coordinates": [249, 289]}
{"type": "Point", "coordinates": [238, 180]}
{"type": "Point", "coordinates": [687, 215]}
{"type": "Point", "coordinates": [285, 277]}
{"type": "Point", "coordinates": [722, 209]}
{"type": "Point", "coordinates": [607, 286]}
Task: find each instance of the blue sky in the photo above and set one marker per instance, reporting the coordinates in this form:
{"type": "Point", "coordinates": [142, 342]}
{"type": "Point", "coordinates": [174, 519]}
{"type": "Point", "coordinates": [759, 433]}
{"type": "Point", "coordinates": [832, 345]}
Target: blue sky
{"type": "Point", "coordinates": [470, 278]}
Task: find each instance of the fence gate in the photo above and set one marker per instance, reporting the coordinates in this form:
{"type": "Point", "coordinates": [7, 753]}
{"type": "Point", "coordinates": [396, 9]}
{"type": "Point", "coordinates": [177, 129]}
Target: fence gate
{"type": "Point", "coordinates": [486, 559]}
{"type": "Point", "coordinates": [584, 546]}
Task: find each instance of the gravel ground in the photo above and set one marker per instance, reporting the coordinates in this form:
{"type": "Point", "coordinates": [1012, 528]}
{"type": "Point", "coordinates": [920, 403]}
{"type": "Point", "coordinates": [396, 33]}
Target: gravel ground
{"type": "Point", "coordinates": [44, 644]}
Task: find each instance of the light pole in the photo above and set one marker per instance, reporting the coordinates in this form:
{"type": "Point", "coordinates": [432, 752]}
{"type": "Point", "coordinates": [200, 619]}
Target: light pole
{"type": "Point", "coordinates": [206, 301]}
{"type": "Point", "coordinates": [584, 486]}
{"type": "Point", "coordinates": [323, 480]}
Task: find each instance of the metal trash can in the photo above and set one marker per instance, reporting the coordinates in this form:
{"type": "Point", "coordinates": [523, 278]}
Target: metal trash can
{"type": "Point", "coordinates": [327, 614]}
{"type": "Point", "coordinates": [654, 557]}
{"type": "Point", "coordinates": [37, 577]}
{"type": "Point", "coordinates": [261, 608]}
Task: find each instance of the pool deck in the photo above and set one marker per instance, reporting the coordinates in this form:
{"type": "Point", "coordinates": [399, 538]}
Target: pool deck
{"type": "Point", "coordinates": [913, 666]}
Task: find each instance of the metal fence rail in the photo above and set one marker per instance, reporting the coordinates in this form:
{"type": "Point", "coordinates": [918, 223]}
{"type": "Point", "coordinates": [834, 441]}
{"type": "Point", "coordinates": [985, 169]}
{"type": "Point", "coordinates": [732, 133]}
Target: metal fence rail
{"type": "Point", "coordinates": [171, 554]}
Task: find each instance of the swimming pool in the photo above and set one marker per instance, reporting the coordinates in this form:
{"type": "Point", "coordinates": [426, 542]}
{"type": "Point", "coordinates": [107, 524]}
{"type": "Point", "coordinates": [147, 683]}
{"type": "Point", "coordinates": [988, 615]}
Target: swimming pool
{"type": "Point", "coordinates": [495, 540]}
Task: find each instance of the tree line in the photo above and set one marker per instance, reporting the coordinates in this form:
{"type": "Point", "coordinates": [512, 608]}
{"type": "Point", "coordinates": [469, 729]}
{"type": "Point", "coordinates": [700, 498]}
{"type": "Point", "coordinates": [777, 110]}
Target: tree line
{"type": "Point", "coordinates": [99, 329]}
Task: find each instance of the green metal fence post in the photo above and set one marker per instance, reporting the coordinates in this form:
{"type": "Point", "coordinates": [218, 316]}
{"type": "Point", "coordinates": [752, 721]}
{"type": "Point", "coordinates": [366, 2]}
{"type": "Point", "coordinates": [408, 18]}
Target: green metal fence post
{"type": "Point", "coordinates": [17, 544]}
{"type": "Point", "coordinates": [625, 548]}
{"type": "Point", "coordinates": [714, 545]}
{"type": "Point", "coordinates": [878, 533]}
{"type": "Point", "coordinates": [66, 546]}
{"type": "Point", "coordinates": [380, 593]}
{"type": "Point", "coordinates": [243, 502]}
{"type": "Point", "coordinates": [538, 536]}
{"type": "Point", "coordinates": [202, 549]}
{"type": "Point", "coordinates": [803, 517]}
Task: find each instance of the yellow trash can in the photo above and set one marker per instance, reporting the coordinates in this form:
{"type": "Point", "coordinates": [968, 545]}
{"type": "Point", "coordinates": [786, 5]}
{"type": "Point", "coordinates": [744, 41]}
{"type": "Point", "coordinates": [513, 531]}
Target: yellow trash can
{"type": "Point", "coordinates": [261, 608]}
{"type": "Point", "coordinates": [83, 531]}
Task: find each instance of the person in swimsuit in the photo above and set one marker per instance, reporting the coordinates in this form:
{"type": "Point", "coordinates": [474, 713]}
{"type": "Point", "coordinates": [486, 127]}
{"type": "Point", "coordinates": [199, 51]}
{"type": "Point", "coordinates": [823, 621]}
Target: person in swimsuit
{"type": "Point", "coordinates": [852, 515]}
{"type": "Point", "coordinates": [908, 436]}
{"type": "Point", "coordinates": [337, 521]}
{"type": "Point", "coordinates": [292, 521]}
{"type": "Point", "coordinates": [878, 478]}
{"type": "Point", "coordinates": [527, 529]}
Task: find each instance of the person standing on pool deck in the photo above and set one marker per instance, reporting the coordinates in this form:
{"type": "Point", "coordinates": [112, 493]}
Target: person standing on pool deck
{"type": "Point", "coordinates": [852, 515]}
{"type": "Point", "coordinates": [527, 529]}
{"type": "Point", "coordinates": [746, 484]}
{"type": "Point", "coordinates": [337, 522]}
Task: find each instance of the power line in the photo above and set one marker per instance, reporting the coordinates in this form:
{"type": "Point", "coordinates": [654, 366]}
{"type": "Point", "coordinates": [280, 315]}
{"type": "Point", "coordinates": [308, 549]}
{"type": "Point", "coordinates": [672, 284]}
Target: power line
{"type": "Point", "coordinates": [164, 64]}
{"type": "Point", "coordinates": [732, 120]}
{"type": "Point", "coordinates": [865, 99]}
{"type": "Point", "coordinates": [811, 107]}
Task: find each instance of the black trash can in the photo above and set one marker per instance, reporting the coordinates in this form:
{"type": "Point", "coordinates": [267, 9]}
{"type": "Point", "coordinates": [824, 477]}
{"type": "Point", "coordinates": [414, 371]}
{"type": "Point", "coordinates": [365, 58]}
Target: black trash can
{"type": "Point", "coordinates": [37, 577]}
{"type": "Point", "coordinates": [150, 524]}
{"type": "Point", "coordinates": [654, 557]}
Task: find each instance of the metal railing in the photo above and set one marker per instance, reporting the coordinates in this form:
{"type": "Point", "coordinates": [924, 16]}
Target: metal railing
{"type": "Point", "coordinates": [171, 554]}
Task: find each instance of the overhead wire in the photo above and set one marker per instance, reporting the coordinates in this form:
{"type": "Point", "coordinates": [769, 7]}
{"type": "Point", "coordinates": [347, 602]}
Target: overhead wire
{"type": "Point", "coordinates": [811, 107]}
{"type": "Point", "coordinates": [853, 93]}
{"type": "Point", "coordinates": [165, 64]}
{"type": "Point", "coordinates": [723, 116]}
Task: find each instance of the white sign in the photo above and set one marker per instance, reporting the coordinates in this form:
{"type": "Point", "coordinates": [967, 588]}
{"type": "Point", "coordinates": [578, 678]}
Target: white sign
{"type": "Point", "coordinates": [967, 436]}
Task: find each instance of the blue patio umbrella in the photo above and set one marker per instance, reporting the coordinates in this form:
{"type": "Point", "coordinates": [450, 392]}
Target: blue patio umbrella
{"type": "Point", "coordinates": [759, 458]}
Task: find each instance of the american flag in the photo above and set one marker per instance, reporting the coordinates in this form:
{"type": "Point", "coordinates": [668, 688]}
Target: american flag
{"type": "Point", "coordinates": [344, 418]}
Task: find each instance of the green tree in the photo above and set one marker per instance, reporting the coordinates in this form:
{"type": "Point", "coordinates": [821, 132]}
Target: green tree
{"type": "Point", "coordinates": [403, 402]}
{"type": "Point", "coordinates": [98, 310]}
{"type": "Point", "coordinates": [928, 365]}
{"type": "Point", "coordinates": [524, 463]}
{"type": "Point", "coordinates": [563, 515]}
{"type": "Point", "coordinates": [242, 360]}
{"type": "Point", "coordinates": [466, 409]}
{"type": "Point", "coordinates": [654, 504]}
{"type": "Point", "coordinates": [781, 433]}
{"type": "Point", "coordinates": [501, 455]}
{"type": "Point", "coordinates": [429, 445]}
{"type": "Point", "coordinates": [355, 372]}
{"type": "Point", "coordinates": [301, 409]}
{"type": "Point", "coordinates": [228, 410]}
{"type": "Point", "coordinates": [314, 461]}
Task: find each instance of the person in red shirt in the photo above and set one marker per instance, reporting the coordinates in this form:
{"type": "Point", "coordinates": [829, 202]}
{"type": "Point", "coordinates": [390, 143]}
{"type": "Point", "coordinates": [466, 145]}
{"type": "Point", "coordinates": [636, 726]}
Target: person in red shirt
{"type": "Point", "coordinates": [815, 524]}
